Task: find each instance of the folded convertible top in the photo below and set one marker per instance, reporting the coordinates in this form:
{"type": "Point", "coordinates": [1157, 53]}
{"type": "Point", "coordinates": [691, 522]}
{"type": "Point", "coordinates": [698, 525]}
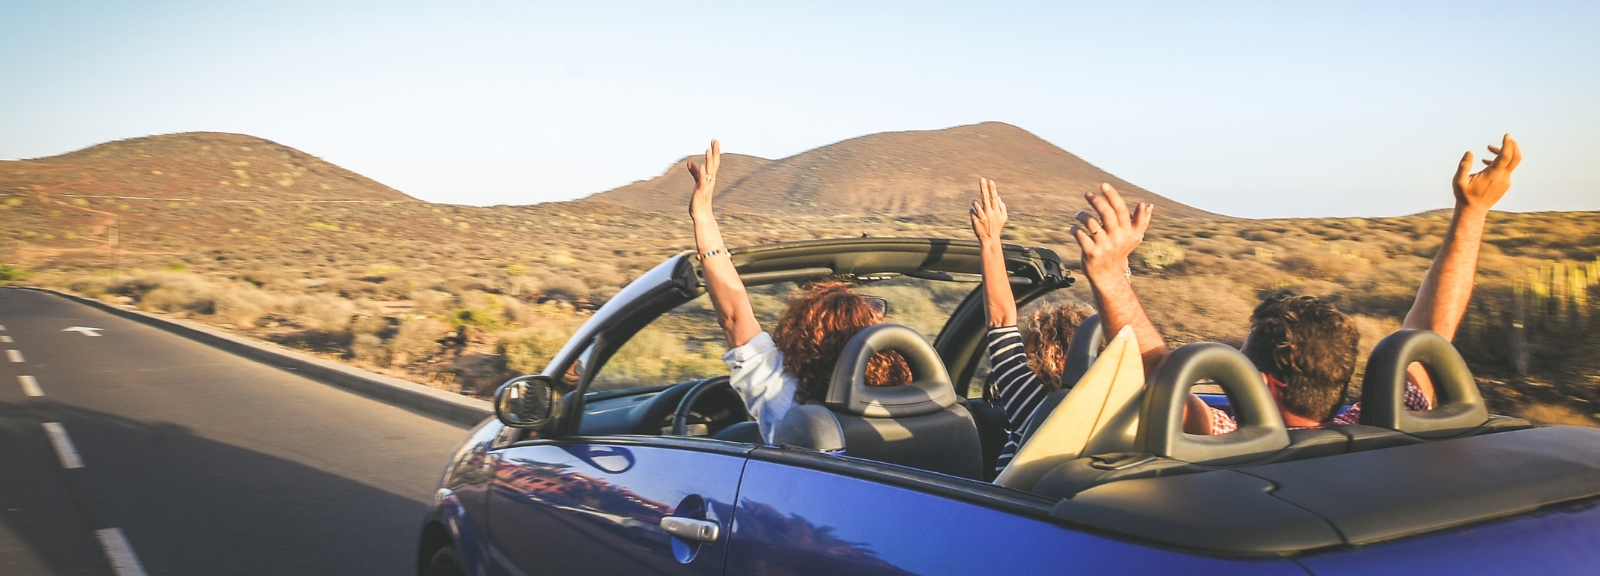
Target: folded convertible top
{"type": "Point", "coordinates": [1355, 498]}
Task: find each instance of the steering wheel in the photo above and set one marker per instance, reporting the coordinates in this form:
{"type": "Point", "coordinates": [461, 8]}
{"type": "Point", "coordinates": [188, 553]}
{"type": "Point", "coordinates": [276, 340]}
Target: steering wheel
{"type": "Point", "coordinates": [680, 416]}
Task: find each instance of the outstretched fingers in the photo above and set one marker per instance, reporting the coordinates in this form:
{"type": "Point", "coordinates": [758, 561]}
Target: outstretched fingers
{"type": "Point", "coordinates": [1108, 214]}
{"type": "Point", "coordinates": [1464, 171]}
{"type": "Point", "coordinates": [1117, 203]}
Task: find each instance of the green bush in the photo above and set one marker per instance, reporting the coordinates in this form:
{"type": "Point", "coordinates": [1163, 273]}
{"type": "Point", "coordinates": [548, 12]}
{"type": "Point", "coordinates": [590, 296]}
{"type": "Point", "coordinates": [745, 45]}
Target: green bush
{"type": "Point", "coordinates": [9, 273]}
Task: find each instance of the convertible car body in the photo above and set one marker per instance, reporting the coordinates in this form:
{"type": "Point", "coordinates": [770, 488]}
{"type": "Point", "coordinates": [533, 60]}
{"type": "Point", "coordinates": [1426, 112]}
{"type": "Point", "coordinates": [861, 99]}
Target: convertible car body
{"type": "Point", "coordinates": [629, 454]}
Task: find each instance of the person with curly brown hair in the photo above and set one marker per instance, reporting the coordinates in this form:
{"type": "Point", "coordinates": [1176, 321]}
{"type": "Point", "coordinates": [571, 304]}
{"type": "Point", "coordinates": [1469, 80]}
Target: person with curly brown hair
{"type": "Point", "coordinates": [1025, 362]}
{"type": "Point", "coordinates": [773, 373]}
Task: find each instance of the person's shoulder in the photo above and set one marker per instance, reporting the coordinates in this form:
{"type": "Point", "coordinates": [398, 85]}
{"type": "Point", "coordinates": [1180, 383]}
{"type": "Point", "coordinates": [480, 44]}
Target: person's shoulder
{"type": "Point", "coordinates": [759, 346]}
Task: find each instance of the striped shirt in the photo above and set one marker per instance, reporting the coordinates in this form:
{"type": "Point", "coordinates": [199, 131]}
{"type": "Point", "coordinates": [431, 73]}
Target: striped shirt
{"type": "Point", "coordinates": [1018, 388]}
{"type": "Point", "coordinates": [1222, 423]}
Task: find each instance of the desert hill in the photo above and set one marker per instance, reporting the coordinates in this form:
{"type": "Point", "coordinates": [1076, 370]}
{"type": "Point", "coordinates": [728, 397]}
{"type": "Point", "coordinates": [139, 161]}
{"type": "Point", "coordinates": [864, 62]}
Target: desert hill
{"type": "Point", "coordinates": [192, 165]}
{"type": "Point", "coordinates": [900, 173]}
{"type": "Point", "coordinates": [670, 191]}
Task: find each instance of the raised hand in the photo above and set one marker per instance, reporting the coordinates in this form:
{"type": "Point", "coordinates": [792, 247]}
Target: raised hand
{"type": "Point", "coordinates": [988, 213]}
{"type": "Point", "coordinates": [705, 181]}
{"type": "Point", "coordinates": [1108, 239]}
{"type": "Point", "coordinates": [1481, 191]}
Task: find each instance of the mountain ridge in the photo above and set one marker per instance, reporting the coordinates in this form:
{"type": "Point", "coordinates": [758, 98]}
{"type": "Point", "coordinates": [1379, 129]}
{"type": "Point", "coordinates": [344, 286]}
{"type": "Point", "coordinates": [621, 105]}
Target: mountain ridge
{"type": "Point", "coordinates": [898, 173]}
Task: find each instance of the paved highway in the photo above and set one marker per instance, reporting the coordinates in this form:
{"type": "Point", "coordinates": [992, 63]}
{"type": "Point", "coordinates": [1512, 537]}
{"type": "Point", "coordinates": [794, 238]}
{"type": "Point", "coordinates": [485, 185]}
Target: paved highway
{"type": "Point", "coordinates": [140, 452]}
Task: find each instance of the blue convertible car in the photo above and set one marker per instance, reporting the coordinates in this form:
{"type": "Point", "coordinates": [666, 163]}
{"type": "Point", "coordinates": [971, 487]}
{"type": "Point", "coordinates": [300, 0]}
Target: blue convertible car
{"type": "Point", "coordinates": [629, 454]}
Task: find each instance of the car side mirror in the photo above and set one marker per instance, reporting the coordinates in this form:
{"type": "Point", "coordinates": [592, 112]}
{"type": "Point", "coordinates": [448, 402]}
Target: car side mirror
{"type": "Point", "coordinates": [525, 401]}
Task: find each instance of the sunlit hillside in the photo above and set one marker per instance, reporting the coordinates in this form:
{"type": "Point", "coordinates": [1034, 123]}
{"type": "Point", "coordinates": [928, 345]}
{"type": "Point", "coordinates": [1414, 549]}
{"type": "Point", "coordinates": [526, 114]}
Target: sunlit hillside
{"type": "Point", "coordinates": [270, 242]}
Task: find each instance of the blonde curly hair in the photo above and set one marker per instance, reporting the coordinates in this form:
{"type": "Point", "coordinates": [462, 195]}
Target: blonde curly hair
{"type": "Point", "coordinates": [1046, 335]}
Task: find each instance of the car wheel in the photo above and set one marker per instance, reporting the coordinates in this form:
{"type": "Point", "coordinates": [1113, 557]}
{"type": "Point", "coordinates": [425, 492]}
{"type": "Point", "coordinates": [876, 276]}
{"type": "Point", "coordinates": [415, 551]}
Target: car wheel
{"type": "Point", "coordinates": [443, 563]}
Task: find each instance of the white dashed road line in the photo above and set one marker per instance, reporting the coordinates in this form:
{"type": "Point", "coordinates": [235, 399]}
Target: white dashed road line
{"type": "Point", "coordinates": [30, 386]}
{"type": "Point", "coordinates": [123, 561]}
{"type": "Point", "coordinates": [5, 339]}
{"type": "Point", "coordinates": [14, 355]}
{"type": "Point", "coordinates": [64, 449]}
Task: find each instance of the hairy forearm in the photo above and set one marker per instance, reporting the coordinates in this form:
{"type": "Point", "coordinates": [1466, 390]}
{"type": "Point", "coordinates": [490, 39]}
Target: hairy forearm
{"type": "Point", "coordinates": [1447, 288]}
{"type": "Point", "coordinates": [727, 291]}
{"type": "Point", "coordinates": [1119, 306]}
{"type": "Point", "coordinates": [1000, 303]}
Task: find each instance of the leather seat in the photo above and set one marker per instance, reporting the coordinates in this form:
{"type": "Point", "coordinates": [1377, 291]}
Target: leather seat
{"type": "Point", "coordinates": [920, 424]}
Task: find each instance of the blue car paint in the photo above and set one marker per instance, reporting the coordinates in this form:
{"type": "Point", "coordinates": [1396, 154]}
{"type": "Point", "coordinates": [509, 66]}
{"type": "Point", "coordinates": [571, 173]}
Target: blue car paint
{"type": "Point", "coordinates": [794, 520]}
{"type": "Point", "coordinates": [458, 504]}
{"type": "Point", "coordinates": [575, 507]}
{"type": "Point", "coordinates": [1559, 540]}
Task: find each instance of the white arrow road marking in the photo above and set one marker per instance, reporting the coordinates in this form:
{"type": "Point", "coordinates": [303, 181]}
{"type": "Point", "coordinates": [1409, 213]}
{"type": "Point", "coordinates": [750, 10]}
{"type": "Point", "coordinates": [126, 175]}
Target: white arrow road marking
{"type": "Point", "coordinates": [14, 355]}
{"type": "Point", "coordinates": [64, 448]}
{"type": "Point", "coordinates": [85, 330]}
{"type": "Point", "coordinates": [123, 561]}
{"type": "Point", "coordinates": [30, 386]}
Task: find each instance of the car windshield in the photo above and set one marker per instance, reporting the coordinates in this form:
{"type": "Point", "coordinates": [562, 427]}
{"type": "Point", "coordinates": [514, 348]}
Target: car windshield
{"type": "Point", "coordinates": [687, 344]}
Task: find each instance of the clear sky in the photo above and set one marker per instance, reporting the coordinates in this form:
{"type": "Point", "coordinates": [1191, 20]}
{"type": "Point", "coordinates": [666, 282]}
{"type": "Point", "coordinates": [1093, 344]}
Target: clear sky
{"type": "Point", "coordinates": [1254, 109]}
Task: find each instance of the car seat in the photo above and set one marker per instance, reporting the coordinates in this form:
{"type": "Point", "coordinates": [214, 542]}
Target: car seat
{"type": "Point", "coordinates": [1385, 421]}
{"type": "Point", "coordinates": [919, 424]}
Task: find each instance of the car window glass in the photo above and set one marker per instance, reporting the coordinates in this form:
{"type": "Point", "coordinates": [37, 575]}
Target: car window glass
{"type": "Point", "coordinates": [682, 345]}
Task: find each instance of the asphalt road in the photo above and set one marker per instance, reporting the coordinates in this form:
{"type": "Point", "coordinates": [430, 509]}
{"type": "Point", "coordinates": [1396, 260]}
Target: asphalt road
{"type": "Point", "coordinates": [190, 460]}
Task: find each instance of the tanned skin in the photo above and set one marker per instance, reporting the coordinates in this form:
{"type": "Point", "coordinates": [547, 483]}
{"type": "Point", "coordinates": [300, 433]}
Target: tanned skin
{"type": "Point", "coordinates": [988, 222]}
{"type": "Point", "coordinates": [1442, 298]}
{"type": "Point", "coordinates": [728, 295]}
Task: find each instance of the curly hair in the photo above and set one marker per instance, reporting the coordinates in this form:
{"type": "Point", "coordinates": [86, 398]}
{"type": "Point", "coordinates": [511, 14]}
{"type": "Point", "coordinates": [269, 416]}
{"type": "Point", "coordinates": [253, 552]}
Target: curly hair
{"type": "Point", "coordinates": [1309, 345]}
{"type": "Point", "coordinates": [1046, 334]}
{"type": "Point", "coordinates": [814, 329]}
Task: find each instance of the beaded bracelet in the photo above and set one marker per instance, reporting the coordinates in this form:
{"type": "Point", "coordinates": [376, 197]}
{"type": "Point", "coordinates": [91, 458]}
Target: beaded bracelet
{"type": "Point", "coordinates": [710, 253]}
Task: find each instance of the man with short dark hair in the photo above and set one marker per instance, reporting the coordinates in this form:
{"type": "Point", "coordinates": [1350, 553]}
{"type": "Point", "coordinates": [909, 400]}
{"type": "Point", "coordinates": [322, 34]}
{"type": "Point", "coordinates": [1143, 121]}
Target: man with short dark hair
{"type": "Point", "coordinates": [1304, 346]}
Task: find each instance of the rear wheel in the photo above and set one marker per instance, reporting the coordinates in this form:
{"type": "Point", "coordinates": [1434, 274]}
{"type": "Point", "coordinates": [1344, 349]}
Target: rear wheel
{"type": "Point", "coordinates": [443, 563]}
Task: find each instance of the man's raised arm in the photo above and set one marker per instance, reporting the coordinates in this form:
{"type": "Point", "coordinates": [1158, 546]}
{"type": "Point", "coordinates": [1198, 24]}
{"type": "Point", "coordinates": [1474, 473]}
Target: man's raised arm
{"type": "Point", "coordinates": [1442, 298]}
{"type": "Point", "coordinates": [1107, 240]}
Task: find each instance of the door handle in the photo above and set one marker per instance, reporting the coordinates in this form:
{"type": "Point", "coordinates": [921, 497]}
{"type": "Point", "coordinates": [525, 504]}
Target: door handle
{"type": "Point", "coordinates": [691, 529]}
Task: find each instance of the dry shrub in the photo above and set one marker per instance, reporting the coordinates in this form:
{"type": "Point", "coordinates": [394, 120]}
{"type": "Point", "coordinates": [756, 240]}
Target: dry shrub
{"type": "Point", "coordinates": [546, 327]}
{"type": "Point", "coordinates": [368, 347]}
{"type": "Point", "coordinates": [1198, 308]}
{"type": "Point", "coordinates": [1321, 264]}
{"type": "Point", "coordinates": [369, 324]}
{"type": "Point", "coordinates": [417, 338]}
{"type": "Point", "coordinates": [432, 302]}
{"type": "Point", "coordinates": [92, 286]}
{"type": "Point", "coordinates": [562, 287]}
{"type": "Point", "coordinates": [322, 312]}
{"type": "Point", "coordinates": [244, 305]}
{"type": "Point", "coordinates": [180, 293]}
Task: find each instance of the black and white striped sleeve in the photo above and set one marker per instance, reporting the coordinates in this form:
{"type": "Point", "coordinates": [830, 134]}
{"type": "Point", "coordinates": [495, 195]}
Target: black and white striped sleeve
{"type": "Point", "coordinates": [1016, 386]}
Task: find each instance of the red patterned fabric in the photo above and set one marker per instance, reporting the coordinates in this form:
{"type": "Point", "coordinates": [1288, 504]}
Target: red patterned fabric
{"type": "Point", "coordinates": [1222, 423]}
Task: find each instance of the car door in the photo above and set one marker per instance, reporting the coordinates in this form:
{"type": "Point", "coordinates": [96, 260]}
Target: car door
{"type": "Point", "coordinates": [597, 507]}
{"type": "Point", "coordinates": [613, 497]}
{"type": "Point", "coordinates": [803, 514]}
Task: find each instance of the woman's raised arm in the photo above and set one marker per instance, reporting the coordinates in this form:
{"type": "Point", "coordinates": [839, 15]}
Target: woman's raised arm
{"type": "Point", "coordinates": [728, 296]}
{"type": "Point", "coordinates": [988, 222]}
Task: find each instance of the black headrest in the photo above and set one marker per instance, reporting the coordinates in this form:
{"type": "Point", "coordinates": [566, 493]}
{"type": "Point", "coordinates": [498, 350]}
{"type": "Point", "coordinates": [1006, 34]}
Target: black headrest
{"type": "Point", "coordinates": [1383, 389]}
{"type": "Point", "coordinates": [929, 390]}
{"type": "Point", "coordinates": [1083, 350]}
{"type": "Point", "coordinates": [1261, 428]}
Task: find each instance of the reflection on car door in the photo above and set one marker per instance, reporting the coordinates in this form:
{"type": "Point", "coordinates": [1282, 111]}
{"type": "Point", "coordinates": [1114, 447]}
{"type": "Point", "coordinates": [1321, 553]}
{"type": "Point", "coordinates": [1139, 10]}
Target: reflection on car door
{"type": "Point", "coordinates": [597, 508]}
{"type": "Point", "coordinates": [803, 521]}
